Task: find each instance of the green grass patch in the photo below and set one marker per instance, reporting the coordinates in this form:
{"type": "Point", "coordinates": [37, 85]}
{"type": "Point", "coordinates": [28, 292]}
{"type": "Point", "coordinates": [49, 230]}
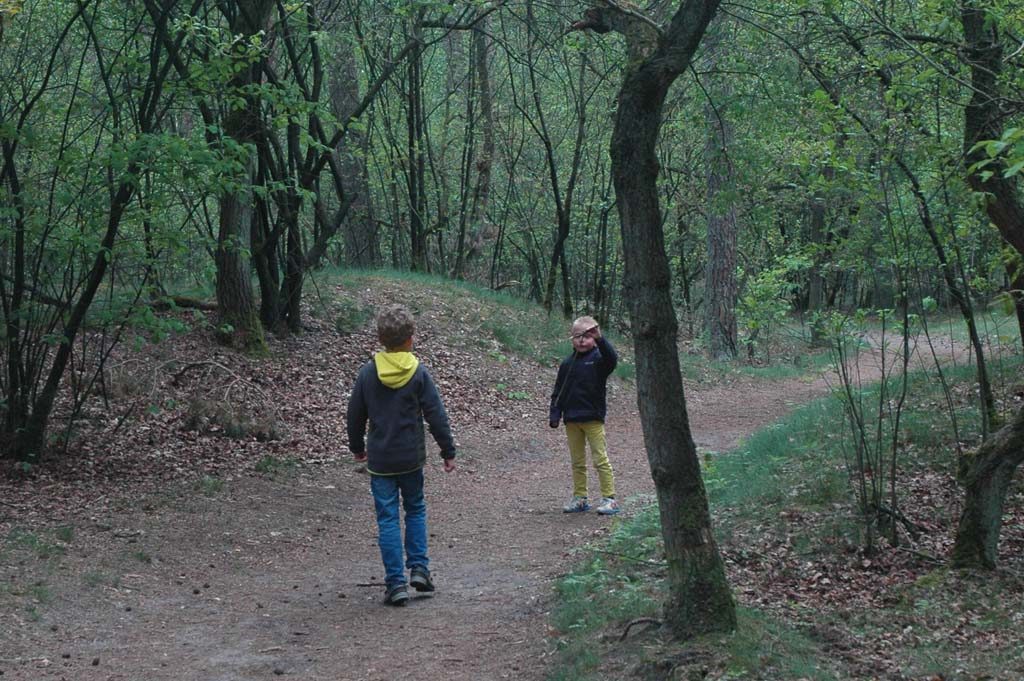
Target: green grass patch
{"type": "Point", "coordinates": [782, 464]}
{"type": "Point", "coordinates": [209, 485]}
{"type": "Point", "coordinates": [765, 647]}
{"type": "Point", "coordinates": [40, 545]}
{"type": "Point", "coordinates": [272, 465]}
{"type": "Point", "coordinates": [803, 361]}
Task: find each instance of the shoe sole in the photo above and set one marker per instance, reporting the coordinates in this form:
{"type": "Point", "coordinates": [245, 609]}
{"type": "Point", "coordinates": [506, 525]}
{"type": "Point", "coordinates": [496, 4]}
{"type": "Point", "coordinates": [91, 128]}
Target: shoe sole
{"type": "Point", "coordinates": [420, 584]}
{"type": "Point", "coordinates": [398, 599]}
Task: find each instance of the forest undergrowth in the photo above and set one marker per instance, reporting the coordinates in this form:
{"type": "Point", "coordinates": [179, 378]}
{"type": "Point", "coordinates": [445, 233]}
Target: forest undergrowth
{"type": "Point", "coordinates": [182, 424]}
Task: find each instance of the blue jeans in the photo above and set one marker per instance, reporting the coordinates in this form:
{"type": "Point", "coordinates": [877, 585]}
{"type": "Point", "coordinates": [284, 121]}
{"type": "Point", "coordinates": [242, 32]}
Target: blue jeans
{"type": "Point", "coordinates": [386, 489]}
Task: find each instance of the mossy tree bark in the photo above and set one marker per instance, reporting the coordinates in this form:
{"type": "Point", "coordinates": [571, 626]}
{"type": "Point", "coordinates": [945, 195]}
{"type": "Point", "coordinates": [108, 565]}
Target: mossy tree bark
{"type": "Point", "coordinates": [239, 314]}
{"type": "Point", "coordinates": [986, 476]}
{"type": "Point", "coordinates": [700, 600]}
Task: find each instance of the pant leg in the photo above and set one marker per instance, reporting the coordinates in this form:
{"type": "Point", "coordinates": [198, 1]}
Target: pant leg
{"type": "Point", "coordinates": [389, 531]}
{"type": "Point", "coordinates": [599, 455]}
{"type": "Point", "coordinates": [415, 506]}
{"type": "Point", "coordinates": [578, 455]}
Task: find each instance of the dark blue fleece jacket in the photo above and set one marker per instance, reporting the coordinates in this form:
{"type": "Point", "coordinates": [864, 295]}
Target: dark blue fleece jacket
{"type": "Point", "coordinates": [579, 394]}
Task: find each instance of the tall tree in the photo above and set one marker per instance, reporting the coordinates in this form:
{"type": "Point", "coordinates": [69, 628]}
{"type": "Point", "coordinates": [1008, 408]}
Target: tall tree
{"type": "Point", "coordinates": [361, 236]}
{"type": "Point", "coordinates": [242, 124]}
{"type": "Point", "coordinates": [987, 473]}
{"type": "Point", "coordinates": [720, 273]}
{"type": "Point", "coordinates": [700, 600]}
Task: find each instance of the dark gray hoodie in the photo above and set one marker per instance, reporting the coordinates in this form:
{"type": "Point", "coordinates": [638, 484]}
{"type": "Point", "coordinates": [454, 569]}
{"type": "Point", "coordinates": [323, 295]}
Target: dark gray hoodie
{"type": "Point", "coordinates": [395, 442]}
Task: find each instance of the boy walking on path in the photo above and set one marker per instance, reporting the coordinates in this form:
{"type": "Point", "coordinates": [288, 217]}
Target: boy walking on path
{"type": "Point", "coordinates": [395, 393]}
{"type": "Point", "coordinates": [579, 400]}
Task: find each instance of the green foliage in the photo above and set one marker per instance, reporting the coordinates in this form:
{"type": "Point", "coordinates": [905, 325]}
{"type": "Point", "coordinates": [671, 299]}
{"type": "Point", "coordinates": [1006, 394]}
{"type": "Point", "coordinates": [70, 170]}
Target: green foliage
{"type": "Point", "coordinates": [1008, 150]}
{"type": "Point", "coordinates": [512, 394]}
{"type": "Point", "coordinates": [350, 317]}
{"type": "Point", "coordinates": [793, 461]}
{"type": "Point", "coordinates": [592, 597]}
{"type": "Point", "coordinates": [209, 485]}
{"type": "Point", "coordinates": [272, 465]}
{"type": "Point", "coordinates": [40, 546]}
{"type": "Point", "coordinates": [766, 647]}
{"type": "Point", "coordinates": [765, 303]}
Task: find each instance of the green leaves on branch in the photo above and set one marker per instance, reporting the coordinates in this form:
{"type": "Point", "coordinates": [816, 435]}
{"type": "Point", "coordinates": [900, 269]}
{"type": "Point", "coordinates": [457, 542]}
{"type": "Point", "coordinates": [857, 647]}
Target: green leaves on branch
{"type": "Point", "coordinates": [1006, 153]}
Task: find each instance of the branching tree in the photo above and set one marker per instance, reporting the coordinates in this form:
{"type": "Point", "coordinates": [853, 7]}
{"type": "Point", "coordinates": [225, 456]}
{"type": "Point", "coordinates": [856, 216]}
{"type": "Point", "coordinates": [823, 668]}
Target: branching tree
{"type": "Point", "coordinates": [60, 235]}
{"type": "Point", "coordinates": [700, 600]}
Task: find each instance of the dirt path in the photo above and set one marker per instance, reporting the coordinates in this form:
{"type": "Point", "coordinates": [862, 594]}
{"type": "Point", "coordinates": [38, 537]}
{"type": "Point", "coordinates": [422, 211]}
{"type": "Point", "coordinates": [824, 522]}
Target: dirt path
{"type": "Point", "coordinates": [279, 576]}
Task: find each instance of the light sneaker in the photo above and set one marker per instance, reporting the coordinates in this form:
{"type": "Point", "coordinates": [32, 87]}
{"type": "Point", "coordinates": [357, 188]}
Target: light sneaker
{"type": "Point", "coordinates": [608, 506]}
{"type": "Point", "coordinates": [576, 505]}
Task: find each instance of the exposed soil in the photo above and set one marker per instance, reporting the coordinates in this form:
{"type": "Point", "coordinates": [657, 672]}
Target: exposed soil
{"type": "Point", "coordinates": [160, 550]}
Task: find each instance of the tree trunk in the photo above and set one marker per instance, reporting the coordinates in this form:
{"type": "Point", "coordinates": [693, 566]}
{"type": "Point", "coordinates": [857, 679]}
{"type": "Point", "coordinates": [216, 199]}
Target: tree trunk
{"type": "Point", "coordinates": [984, 120]}
{"type": "Point", "coordinates": [720, 274]}
{"type": "Point", "coordinates": [1017, 296]}
{"type": "Point", "coordinates": [986, 477]}
{"type": "Point", "coordinates": [482, 233]}
{"type": "Point", "coordinates": [416, 177]}
{"type": "Point", "coordinates": [361, 236]}
{"type": "Point", "coordinates": [241, 326]}
{"type": "Point", "coordinates": [700, 600]}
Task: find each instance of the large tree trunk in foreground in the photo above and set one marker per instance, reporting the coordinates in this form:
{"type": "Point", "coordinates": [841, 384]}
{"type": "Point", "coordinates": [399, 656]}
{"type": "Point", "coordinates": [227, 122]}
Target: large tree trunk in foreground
{"type": "Point", "coordinates": [986, 476]}
{"type": "Point", "coordinates": [700, 600]}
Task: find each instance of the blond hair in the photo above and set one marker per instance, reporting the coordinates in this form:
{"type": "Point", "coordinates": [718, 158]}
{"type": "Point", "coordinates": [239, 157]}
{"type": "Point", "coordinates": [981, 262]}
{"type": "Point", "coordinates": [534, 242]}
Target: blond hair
{"type": "Point", "coordinates": [395, 325]}
{"type": "Point", "coordinates": [584, 323]}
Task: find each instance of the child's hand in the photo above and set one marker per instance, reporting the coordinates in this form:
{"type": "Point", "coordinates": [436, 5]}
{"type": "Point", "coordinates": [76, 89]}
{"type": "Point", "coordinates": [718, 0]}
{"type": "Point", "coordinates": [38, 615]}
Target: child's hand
{"type": "Point", "coordinates": [594, 332]}
{"type": "Point", "coordinates": [360, 458]}
{"type": "Point", "coordinates": [553, 424]}
{"type": "Point", "coordinates": [449, 465]}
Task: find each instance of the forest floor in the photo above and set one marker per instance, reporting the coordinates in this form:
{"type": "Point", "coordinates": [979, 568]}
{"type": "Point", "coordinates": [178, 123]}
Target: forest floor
{"type": "Point", "coordinates": [161, 548]}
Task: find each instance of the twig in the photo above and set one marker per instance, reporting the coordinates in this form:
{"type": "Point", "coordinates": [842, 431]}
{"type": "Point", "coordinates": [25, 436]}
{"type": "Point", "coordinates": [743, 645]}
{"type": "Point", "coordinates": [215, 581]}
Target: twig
{"type": "Point", "coordinates": [639, 620]}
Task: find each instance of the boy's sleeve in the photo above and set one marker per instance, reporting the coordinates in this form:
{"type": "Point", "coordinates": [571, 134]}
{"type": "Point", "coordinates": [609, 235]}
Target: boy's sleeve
{"type": "Point", "coordinates": [356, 418]}
{"type": "Point", "coordinates": [555, 413]}
{"type": "Point", "coordinates": [609, 357]}
{"type": "Point", "coordinates": [436, 416]}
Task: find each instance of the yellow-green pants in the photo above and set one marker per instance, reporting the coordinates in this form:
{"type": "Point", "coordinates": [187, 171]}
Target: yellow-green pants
{"type": "Point", "coordinates": [579, 434]}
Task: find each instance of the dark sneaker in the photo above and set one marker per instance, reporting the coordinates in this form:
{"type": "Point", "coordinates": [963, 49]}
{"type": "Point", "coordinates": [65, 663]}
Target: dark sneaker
{"type": "Point", "coordinates": [396, 595]}
{"type": "Point", "coordinates": [419, 579]}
